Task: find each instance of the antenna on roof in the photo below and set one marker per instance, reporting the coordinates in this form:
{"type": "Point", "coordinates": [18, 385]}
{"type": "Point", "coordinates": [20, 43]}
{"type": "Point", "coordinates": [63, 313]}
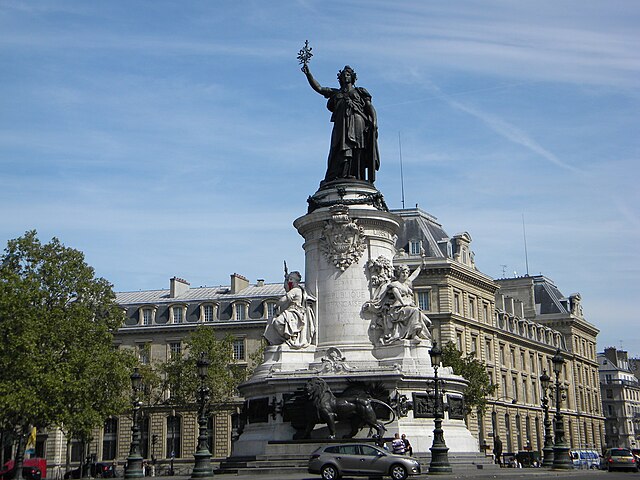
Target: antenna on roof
{"type": "Point", "coordinates": [504, 270]}
{"type": "Point", "coordinates": [526, 255]}
{"type": "Point", "coordinates": [401, 172]}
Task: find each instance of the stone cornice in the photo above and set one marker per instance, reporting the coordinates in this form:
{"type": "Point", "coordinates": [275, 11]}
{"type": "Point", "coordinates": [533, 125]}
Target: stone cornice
{"type": "Point", "coordinates": [188, 327]}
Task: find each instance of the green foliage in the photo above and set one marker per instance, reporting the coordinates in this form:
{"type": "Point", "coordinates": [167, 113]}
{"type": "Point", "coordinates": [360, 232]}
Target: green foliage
{"type": "Point", "coordinates": [224, 375]}
{"type": "Point", "coordinates": [58, 365]}
{"type": "Point", "coordinates": [475, 372]}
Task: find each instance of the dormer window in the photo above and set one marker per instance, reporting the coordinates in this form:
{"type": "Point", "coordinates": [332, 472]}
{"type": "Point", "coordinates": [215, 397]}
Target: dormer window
{"type": "Point", "coordinates": [208, 312]}
{"type": "Point", "coordinates": [146, 315]}
{"type": "Point", "coordinates": [240, 311]}
{"type": "Point", "coordinates": [177, 314]}
{"type": "Point", "coordinates": [270, 309]}
{"type": "Point", "coordinates": [415, 247]}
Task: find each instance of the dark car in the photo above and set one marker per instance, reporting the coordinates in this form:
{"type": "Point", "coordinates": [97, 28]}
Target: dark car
{"type": "Point", "coordinates": [30, 473]}
{"type": "Point", "coordinates": [97, 470]}
{"type": "Point", "coordinates": [333, 461]}
{"type": "Point", "coordinates": [620, 459]}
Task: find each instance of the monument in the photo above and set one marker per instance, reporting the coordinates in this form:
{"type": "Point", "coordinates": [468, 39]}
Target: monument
{"type": "Point", "coordinates": [349, 343]}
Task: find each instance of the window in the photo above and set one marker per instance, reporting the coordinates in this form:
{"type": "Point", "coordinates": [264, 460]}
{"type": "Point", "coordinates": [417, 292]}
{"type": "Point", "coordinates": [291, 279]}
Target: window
{"type": "Point", "coordinates": [525, 391]}
{"type": "Point", "coordinates": [145, 423]}
{"type": "Point", "coordinates": [502, 359]}
{"type": "Point", "coordinates": [488, 351]}
{"type": "Point", "coordinates": [271, 309]}
{"type": "Point", "coordinates": [144, 351]}
{"type": "Point", "coordinates": [241, 311]}
{"type": "Point", "coordinates": [474, 345]}
{"type": "Point", "coordinates": [173, 440]}
{"type": "Point", "coordinates": [211, 428]}
{"type": "Point", "coordinates": [208, 313]}
{"type": "Point", "coordinates": [485, 312]}
{"type": "Point", "coordinates": [238, 349]}
{"type": "Point", "coordinates": [146, 316]}
{"type": "Point", "coordinates": [177, 313]}
{"type": "Point", "coordinates": [512, 357]}
{"type": "Point", "coordinates": [175, 350]}
{"type": "Point", "coordinates": [110, 439]}
{"type": "Point", "coordinates": [522, 364]}
{"type": "Point", "coordinates": [514, 386]}
{"type": "Point", "coordinates": [415, 247]}
{"type": "Point", "coordinates": [532, 363]}
{"type": "Point", "coordinates": [609, 393]}
{"type": "Point", "coordinates": [456, 302]}
{"type": "Point", "coordinates": [459, 341]}
{"type": "Point", "coordinates": [368, 451]}
{"type": "Point", "coordinates": [472, 307]}
{"type": "Point", "coordinates": [77, 455]}
{"type": "Point", "coordinates": [424, 300]}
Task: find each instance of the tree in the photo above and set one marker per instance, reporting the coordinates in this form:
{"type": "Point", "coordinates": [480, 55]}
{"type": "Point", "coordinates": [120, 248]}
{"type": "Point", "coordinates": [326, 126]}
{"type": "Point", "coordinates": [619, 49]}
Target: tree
{"type": "Point", "coordinates": [58, 365]}
{"type": "Point", "coordinates": [475, 372]}
{"type": "Point", "coordinates": [181, 375]}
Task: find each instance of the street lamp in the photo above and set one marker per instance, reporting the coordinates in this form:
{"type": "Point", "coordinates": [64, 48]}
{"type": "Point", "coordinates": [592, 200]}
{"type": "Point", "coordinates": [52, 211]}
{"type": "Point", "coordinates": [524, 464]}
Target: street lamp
{"type": "Point", "coordinates": [134, 460]}
{"type": "Point", "coordinates": [202, 467]}
{"type": "Point", "coordinates": [439, 456]}
{"type": "Point", "coordinates": [547, 451]}
{"type": "Point", "coordinates": [561, 460]}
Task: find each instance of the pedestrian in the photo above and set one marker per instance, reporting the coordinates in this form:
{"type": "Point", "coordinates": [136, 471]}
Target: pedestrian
{"type": "Point", "coordinates": [407, 445]}
{"type": "Point", "coordinates": [397, 445]}
{"type": "Point", "coordinates": [497, 449]}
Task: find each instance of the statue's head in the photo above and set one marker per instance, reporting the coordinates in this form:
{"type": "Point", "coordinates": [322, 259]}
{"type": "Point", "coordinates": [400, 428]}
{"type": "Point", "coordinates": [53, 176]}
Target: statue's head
{"type": "Point", "coordinates": [402, 271]}
{"type": "Point", "coordinates": [347, 71]}
{"type": "Point", "coordinates": [295, 277]}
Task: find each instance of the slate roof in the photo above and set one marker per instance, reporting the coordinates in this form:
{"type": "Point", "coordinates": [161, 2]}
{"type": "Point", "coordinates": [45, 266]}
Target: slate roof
{"type": "Point", "coordinates": [547, 295]}
{"type": "Point", "coordinates": [420, 225]}
{"type": "Point", "coordinates": [220, 293]}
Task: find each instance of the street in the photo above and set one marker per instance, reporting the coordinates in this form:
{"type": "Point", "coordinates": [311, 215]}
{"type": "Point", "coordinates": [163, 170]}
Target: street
{"type": "Point", "coordinates": [505, 473]}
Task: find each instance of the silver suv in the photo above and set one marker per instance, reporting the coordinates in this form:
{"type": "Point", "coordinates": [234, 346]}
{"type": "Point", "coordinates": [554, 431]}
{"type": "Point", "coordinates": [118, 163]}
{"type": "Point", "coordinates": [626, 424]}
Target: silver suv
{"type": "Point", "coordinates": [334, 461]}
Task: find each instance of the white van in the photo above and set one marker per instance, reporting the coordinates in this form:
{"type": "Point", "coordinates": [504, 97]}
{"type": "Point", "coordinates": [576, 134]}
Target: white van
{"type": "Point", "coordinates": [585, 459]}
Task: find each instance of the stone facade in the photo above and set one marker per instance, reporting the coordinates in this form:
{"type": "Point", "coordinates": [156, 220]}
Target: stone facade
{"type": "Point", "coordinates": [515, 327]}
{"type": "Point", "coordinates": [620, 398]}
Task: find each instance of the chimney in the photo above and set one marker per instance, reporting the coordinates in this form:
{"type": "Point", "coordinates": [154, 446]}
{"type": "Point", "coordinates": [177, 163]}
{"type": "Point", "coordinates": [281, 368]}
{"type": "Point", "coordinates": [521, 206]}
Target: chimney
{"type": "Point", "coordinates": [178, 287]}
{"type": "Point", "coordinates": [260, 282]}
{"type": "Point", "coordinates": [611, 355]}
{"type": "Point", "coordinates": [238, 283]}
{"type": "Point", "coordinates": [508, 307]}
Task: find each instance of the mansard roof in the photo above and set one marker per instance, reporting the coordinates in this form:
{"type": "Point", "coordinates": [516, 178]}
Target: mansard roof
{"type": "Point", "coordinates": [200, 294]}
{"type": "Point", "coordinates": [548, 296]}
{"type": "Point", "coordinates": [419, 225]}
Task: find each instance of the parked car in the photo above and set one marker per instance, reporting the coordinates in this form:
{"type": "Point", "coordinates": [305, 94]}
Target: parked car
{"type": "Point", "coordinates": [28, 472]}
{"type": "Point", "coordinates": [97, 470]}
{"type": "Point", "coordinates": [333, 461]}
{"type": "Point", "coordinates": [620, 458]}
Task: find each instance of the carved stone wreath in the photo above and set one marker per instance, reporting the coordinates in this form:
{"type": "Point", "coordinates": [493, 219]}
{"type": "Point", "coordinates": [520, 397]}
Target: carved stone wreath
{"type": "Point", "coordinates": [342, 240]}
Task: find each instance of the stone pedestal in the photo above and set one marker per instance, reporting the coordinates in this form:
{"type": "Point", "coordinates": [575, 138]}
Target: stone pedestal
{"type": "Point", "coordinates": [347, 227]}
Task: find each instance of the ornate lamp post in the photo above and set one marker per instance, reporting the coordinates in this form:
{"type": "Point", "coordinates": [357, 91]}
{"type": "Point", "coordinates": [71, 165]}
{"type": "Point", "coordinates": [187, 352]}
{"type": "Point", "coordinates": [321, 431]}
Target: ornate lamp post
{"type": "Point", "coordinates": [134, 460]}
{"type": "Point", "coordinates": [202, 467]}
{"type": "Point", "coordinates": [439, 456]}
{"type": "Point", "coordinates": [561, 458]}
{"type": "Point", "coordinates": [547, 451]}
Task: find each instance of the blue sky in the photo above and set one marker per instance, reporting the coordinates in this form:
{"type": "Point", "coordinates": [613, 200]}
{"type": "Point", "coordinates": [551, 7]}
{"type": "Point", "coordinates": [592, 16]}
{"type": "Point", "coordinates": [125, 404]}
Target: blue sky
{"type": "Point", "coordinates": [180, 138]}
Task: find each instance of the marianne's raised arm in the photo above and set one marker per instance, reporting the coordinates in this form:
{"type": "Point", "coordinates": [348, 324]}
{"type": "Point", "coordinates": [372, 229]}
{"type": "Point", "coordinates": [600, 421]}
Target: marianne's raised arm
{"type": "Point", "coordinates": [312, 81]}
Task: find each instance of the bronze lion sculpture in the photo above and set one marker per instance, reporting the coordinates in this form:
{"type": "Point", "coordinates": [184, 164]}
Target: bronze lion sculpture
{"type": "Point", "coordinates": [324, 407]}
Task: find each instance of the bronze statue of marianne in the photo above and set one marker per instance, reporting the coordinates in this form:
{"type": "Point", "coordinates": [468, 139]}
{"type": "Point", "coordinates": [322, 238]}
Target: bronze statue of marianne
{"type": "Point", "coordinates": [354, 141]}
